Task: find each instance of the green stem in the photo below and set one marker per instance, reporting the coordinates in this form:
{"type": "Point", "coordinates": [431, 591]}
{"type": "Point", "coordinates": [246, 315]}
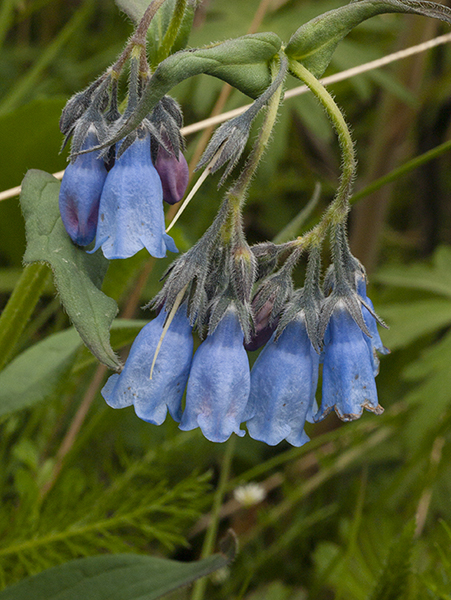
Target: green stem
{"type": "Point", "coordinates": [408, 166]}
{"type": "Point", "coordinates": [210, 536]}
{"type": "Point", "coordinates": [238, 191]}
{"type": "Point", "coordinates": [20, 307]}
{"type": "Point", "coordinates": [339, 208]}
{"type": "Point", "coordinates": [172, 31]}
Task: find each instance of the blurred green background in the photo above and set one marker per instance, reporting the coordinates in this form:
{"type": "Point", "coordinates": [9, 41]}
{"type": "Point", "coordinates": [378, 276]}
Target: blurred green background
{"type": "Point", "coordinates": [333, 508]}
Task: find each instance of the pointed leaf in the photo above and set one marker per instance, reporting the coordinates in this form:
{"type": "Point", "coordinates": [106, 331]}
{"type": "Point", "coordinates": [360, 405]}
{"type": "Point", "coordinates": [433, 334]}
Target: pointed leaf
{"type": "Point", "coordinates": [113, 577]}
{"type": "Point", "coordinates": [242, 62]}
{"type": "Point", "coordinates": [78, 275]}
{"type": "Point", "coordinates": [314, 43]}
{"type": "Point", "coordinates": [36, 373]}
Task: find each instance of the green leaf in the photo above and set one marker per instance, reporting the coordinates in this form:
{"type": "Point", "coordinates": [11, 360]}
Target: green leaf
{"type": "Point", "coordinates": [435, 278]}
{"type": "Point", "coordinates": [160, 23]}
{"type": "Point", "coordinates": [114, 577]}
{"type": "Point", "coordinates": [242, 62]}
{"type": "Point", "coordinates": [409, 322]}
{"type": "Point", "coordinates": [78, 275]}
{"type": "Point", "coordinates": [35, 375]}
{"type": "Point", "coordinates": [133, 8]}
{"type": "Point", "coordinates": [314, 43]}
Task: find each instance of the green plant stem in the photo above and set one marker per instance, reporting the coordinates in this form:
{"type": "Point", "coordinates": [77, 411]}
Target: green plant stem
{"type": "Point", "coordinates": [338, 210]}
{"type": "Point", "coordinates": [407, 167]}
{"type": "Point", "coordinates": [172, 31]}
{"type": "Point", "coordinates": [210, 536]}
{"type": "Point", "coordinates": [238, 192]}
{"type": "Point", "coordinates": [20, 307]}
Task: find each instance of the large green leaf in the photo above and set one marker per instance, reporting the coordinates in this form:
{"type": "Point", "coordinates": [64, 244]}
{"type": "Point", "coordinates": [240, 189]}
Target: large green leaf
{"type": "Point", "coordinates": [114, 577]}
{"type": "Point", "coordinates": [35, 374]}
{"type": "Point", "coordinates": [241, 62]}
{"type": "Point", "coordinates": [314, 43]}
{"type": "Point", "coordinates": [78, 275]}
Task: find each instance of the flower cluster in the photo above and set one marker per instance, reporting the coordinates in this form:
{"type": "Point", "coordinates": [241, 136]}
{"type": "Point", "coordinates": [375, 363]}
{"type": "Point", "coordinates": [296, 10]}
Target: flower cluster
{"type": "Point", "coordinates": [275, 398]}
{"type": "Point", "coordinates": [117, 198]}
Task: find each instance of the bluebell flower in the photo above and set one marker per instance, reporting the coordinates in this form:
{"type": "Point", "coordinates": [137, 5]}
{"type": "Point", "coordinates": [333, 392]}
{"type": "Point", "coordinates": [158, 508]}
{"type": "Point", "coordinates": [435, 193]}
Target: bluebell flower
{"type": "Point", "coordinates": [153, 397]}
{"type": "Point", "coordinates": [374, 342]}
{"type": "Point", "coordinates": [80, 191]}
{"type": "Point", "coordinates": [219, 383]}
{"type": "Point", "coordinates": [131, 215]}
{"type": "Point", "coordinates": [348, 369]}
{"type": "Point", "coordinates": [283, 385]}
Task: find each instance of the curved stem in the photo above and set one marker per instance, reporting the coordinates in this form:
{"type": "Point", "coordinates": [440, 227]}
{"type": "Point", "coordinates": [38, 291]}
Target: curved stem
{"type": "Point", "coordinates": [339, 208]}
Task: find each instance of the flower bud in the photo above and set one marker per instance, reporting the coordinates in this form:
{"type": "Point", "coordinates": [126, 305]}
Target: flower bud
{"type": "Point", "coordinates": [174, 175]}
{"type": "Point", "coordinates": [80, 193]}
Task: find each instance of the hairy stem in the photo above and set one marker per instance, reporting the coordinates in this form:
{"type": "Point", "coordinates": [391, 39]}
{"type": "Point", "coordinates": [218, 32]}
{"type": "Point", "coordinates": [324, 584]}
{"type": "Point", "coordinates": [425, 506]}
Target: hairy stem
{"type": "Point", "coordinates": [172, 30]}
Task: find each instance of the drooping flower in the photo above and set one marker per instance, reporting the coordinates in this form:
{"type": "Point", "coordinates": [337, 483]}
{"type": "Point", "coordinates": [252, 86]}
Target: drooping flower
{"type": "Point", "coordinates": [153, 397]}
{"type": "Point", "coordinates": [174, 175]}
{"type": "Point", "coordinates": [80, 191]}
{"type": "Point", "coordinates": [348, 369]}
{"type": "Point", "coordinates": [131, 213]}
{"type": "Point", "coordinates": [283, 385]}
{"type": "Point", "coordinates": [219, 382]}
{"type": "Point", "coordinates": [374, 342]}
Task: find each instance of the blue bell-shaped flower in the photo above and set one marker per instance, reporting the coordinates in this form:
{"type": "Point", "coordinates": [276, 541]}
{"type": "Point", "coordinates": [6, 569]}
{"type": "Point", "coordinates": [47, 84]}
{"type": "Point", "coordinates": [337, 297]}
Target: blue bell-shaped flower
{"type": "Point", "coordinates": [374, 342]}
{"type": "Point", "coordinates": [348, 369]}
{"type": "Point", "coordinates": [131, 215]}
{"type": "Point", "coordinates": [283, 385]}
{"type": "Point", "coordinates": [153, 397]}
{"type": "Point", "coordinates": [80, 191]}
{"type": "Point", "coordinates": [219, 382]}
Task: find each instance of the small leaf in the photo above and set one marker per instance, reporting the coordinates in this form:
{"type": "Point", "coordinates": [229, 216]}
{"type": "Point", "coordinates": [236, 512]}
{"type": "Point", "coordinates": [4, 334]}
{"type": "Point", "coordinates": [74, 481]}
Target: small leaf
{"type": "Point", "coordinates": [78, 275]}
{"type": "Point", "coordinates": [242, 62]}
{"type": "Point", "coordinates": [35, 375]}
{"type": "Point", "coordinates": [314, 43]}
{"type": "Point", "coordinates": [113, 577]}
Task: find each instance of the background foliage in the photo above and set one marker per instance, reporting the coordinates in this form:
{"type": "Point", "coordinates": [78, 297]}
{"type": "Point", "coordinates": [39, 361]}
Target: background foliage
{"type": "Point", "coordinates": [79, 479]}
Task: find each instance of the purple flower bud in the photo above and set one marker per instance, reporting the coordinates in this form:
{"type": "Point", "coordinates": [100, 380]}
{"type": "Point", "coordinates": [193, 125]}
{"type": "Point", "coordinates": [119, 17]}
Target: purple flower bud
{"type": "Point", "coordinates": [80, 191]}
{"type": "Point", "coordinates": [263, 329]}
{"type": "Point", "coordinates": [174, 175]}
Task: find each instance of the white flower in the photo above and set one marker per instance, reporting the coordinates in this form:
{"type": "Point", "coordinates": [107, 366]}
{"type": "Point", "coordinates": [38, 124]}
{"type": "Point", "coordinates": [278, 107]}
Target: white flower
{"type": "Point", "coordinates": [250, 494]}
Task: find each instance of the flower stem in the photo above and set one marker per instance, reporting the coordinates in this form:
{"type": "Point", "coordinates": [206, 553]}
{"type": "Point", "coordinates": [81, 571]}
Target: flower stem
{"type": "Point", "coordinates": [238, 191]}
{"type": "Point", "coordinates": [172, 30]}
{"type": "Point", "coordinates": [339, 208]}
{"type": "Point", "coordinates": [19, 308]}
{"type": "Point", "coordinates": [210, 536]}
